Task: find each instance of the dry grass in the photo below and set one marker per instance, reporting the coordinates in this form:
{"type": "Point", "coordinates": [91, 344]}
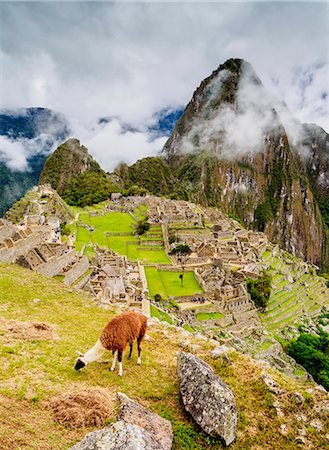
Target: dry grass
{"type": "Point", "coordinates": [28, 331]}
{"type": "Point", "coordinates": [92, 407]}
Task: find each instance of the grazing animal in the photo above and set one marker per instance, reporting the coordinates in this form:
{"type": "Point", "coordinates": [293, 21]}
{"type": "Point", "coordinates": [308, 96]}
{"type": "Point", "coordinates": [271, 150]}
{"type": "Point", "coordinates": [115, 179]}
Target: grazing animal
{"type": "Point", "coordinates": [120, 331]}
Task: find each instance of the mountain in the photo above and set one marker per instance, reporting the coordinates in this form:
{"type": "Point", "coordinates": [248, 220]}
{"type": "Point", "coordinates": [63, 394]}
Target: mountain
{"type": "Point", "coordinates": [238, 148]}
{"type": "Point", "coordinates": [28, 135]}
{"type": "Point", "coordinates": [76, 176]}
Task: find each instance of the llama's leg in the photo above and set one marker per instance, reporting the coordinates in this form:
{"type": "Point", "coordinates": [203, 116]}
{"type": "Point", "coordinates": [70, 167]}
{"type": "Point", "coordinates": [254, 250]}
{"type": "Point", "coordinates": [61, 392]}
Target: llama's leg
{"type": "Point", "coordinates": [120, 362]}
{"type": "Point", "coordinates": [130, 351]}
{"type": "Point", "coordinates": [114, 360]}
{"type": "Point", "coordinates": [139, 361]}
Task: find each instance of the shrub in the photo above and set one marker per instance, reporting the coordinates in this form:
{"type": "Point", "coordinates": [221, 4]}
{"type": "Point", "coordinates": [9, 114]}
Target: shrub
{"type": "Point", "coordinates": [142, 227]}
{"type": "Point", "coordinates": [157, 298]}
{"type": "Point", "coordinates": [312, 352]}
{"type": "Point", "coordinates": [260, 290]}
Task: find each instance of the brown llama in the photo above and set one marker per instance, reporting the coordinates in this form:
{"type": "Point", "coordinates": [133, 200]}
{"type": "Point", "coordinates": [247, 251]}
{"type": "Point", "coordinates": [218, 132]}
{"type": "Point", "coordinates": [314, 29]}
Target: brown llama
{"type": "Point", "coordinates": [120, 331]}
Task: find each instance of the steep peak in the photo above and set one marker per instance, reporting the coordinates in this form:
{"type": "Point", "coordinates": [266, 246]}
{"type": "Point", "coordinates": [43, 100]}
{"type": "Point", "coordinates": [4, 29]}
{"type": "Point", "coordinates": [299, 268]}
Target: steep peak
{"type": "Point", "coordinates": [68, 161]}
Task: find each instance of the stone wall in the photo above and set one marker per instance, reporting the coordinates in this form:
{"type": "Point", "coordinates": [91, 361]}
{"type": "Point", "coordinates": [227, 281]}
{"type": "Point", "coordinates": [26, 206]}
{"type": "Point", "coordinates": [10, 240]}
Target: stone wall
{"type": "Point", "coordinates": [78, 269]}
{"type": "Point", "coordinates": [56, 264]}
{"type": "Point", "coordinates": [21, 247]}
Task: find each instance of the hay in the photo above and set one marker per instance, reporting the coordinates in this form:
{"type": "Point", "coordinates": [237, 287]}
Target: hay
{"type": "Point", "coordinates": [28, 331]}
{"type": "Point", "coordinates": [90, 407]}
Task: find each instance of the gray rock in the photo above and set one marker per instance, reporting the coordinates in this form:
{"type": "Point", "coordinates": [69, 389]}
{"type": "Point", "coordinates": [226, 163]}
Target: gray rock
{"type": "Point", "coordinates": [137, 429]}
{"type": "Point", "coordinates": [271, 384]}
{"type": "Point", "coordinates": [298, 398]}
{"type": "Point", "coordinates": [118, 436]}
{"type": "Point", "coordinates": [219, 351]}
{"type": "Point", "coordinates": [158, 428]}
{"type": "Point", "coordinates": [207, 398]}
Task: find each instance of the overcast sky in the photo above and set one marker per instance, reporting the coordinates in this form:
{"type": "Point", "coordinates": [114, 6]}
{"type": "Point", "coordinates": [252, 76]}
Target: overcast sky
{"type": "Point", "coordinates": [130, 60]}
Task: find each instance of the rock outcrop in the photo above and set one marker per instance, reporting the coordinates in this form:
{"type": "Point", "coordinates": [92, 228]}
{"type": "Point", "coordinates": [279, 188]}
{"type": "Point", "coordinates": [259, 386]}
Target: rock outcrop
{"type": "Point", "coordinates": [137, 428]}
{"type": "Point", "coordinates": [207, 398]}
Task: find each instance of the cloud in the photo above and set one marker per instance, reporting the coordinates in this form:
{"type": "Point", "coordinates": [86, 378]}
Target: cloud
{"type": "Point", "coordinates": [110, 143]}
{"type": "Point", "coordinates": [132, 60]}
{"type": "Point", "coordinates": [16, 153]}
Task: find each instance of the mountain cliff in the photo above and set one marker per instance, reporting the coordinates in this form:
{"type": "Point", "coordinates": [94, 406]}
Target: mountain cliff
{"type": "Point", "coordinates": [237, 147]}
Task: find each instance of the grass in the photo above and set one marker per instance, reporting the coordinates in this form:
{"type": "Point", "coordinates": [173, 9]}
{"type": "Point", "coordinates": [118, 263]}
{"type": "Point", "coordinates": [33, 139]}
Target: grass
{"type": "Point", "coordinates": [209, 315]}
{"type": "Point", "coordinates": [32, 372]}
{"type": "Point", "coordinates": [161, 315]}
{"type": "Point", "coordinates": [117, 222]}
{"type": "Point", "coordinates": [168, 284]}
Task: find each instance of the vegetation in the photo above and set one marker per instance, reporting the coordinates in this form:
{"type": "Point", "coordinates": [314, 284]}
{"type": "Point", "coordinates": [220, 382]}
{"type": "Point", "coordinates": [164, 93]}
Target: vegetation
{"type": "Point", "coordinates": [88, 189]}
{"type": "Point", "coordinates": [152, 175]}
{"type": "Point", "coordinates": [312, 352]}
{"type": "Point", "coordinates": [260, 289]}
{"type": "Point", "coordinates": [263, 215]}
{"type": "Point", "coordinates": [181, 250]}
{"type": "Point", "coordinates": [142, 227]}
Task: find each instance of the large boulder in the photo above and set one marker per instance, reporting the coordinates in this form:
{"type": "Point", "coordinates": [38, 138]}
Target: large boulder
{"type": "Point", "coordinates": [118, 436]}
{"type": "Point", "coordinates": [207, 398]}
{"type": "Point", "coordinates": [136, 429]}
{"type": "Point", "coordinates": [160, 429]}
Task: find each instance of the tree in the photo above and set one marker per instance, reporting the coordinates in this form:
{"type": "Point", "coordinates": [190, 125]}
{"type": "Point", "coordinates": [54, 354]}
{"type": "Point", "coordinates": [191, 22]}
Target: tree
{"type": "Point", "coordinates": [260, 290]}
{"type": "Point", "coordinates": [142, 227]}
{"type": "Point", "coordinates": [182, 252]}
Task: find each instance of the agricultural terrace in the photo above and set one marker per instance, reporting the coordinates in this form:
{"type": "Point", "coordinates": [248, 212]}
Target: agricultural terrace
{"type": "Point", "coordinates": [168, 283]}
{"type": "Point", "coordinates": [99, 229]}
{"type": "Point", "coordinates": [295, 291]}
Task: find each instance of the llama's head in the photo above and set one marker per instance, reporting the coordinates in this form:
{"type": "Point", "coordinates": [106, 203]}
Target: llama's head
{"type": "Point", "coordinates": [79, 364]}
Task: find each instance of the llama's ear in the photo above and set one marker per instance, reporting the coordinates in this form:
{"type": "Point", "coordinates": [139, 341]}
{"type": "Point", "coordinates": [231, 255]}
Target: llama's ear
{"type": "Point", "coordinates": [79, 353]}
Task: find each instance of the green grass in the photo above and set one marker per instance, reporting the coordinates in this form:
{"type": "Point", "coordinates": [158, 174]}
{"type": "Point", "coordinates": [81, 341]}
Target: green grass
{"type": "Point", "coordinates": [161, 315]}
{"type": "Point", "coordinates": [154, 283]}
{"type": "Point", "coordinates": [172, 283]}
{"type": "Point", "coordinates": [209, 315]}
{"type": "Point", "coordinates": [168, 284]}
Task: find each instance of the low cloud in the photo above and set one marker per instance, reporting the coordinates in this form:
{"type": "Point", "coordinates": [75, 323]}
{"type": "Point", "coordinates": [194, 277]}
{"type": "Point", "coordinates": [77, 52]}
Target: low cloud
{"type": "Point", "coordinates": [110, 143]}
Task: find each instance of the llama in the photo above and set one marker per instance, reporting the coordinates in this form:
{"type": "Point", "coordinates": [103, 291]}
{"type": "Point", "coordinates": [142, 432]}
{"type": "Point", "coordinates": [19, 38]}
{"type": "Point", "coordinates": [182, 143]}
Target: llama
{"type": "Point", "coordinates": [120, 331]}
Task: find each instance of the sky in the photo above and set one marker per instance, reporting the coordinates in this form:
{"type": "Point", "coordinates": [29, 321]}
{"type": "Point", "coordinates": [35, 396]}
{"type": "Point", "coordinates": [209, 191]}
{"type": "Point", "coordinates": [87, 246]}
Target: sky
{"type": "Point", "coordinates": [131, 60]}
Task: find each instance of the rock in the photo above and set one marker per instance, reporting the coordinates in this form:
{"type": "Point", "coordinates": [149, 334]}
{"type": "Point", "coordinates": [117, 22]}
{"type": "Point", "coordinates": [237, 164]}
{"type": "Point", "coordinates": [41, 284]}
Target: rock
{"type": "Point", "coordinates": [118, 436]}
{"type": "Point", "coordinates": [316, 423]}
{"type": "Point", "coordinates": [271, 384]}
{"type": "Point", "coordinates": [298, 398]}
{"type": "Point", "coordinates": [301, 440]}
{"type": "Point", "coordinates": [283, 429]}
{"type": "Point", "coordinates": [207, 398]}
{"type": "Point", "coordinates": [219, 351]}
{"type": "Point", "coordinates": [301, 418]}
{"type": "Point", "coordinates": [36, 300]}
{"type": "Point", "coordinates": [158, 428]}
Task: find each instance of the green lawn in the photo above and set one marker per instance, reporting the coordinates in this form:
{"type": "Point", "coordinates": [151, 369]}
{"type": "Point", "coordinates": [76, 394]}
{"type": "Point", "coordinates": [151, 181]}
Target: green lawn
{"type": "Point", "coordinates": [154, 282]}
{"type": "Point", "coordinates": [209, 315]}
{"type": "Point", "coordinates": [168, 284]}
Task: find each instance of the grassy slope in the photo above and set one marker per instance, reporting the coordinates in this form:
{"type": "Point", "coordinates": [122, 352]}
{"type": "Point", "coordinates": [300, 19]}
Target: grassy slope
{"type": "Point", "coordinates": [34, 371]}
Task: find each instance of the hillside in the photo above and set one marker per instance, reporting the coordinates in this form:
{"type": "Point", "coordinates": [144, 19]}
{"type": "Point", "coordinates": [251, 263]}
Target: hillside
{"type": "Point", "coordinates": [35, 370]}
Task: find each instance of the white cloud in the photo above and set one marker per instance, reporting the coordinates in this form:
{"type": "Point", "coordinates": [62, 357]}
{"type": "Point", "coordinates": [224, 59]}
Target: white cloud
{"type": "Point", "coordinates": [110, 144]}
{"type": "Point", "coordinates": [90, 60]}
